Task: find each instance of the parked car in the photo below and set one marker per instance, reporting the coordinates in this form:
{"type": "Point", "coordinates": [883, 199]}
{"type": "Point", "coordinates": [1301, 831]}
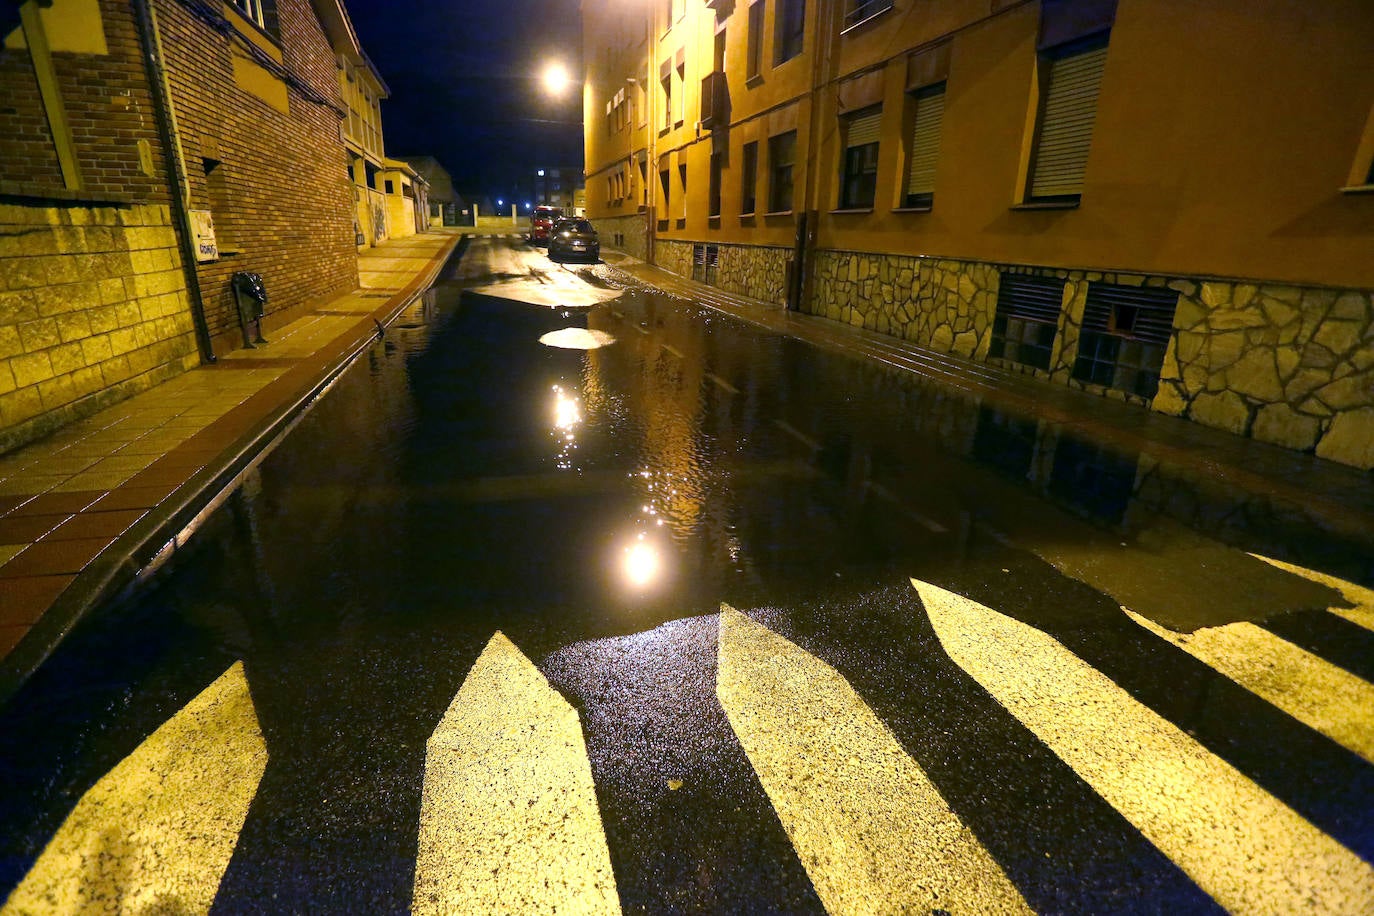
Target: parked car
{"type": "Point", "coordinates": [574, 238]}
{"type": "Point", "coordinates": [541, 221]}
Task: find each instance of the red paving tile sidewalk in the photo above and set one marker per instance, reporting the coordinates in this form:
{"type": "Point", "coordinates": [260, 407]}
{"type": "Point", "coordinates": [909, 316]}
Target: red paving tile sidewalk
{"type": "Point", "coordinates": [85, 510]}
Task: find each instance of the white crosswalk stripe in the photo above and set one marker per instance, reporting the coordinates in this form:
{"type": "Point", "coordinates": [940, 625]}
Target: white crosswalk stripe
{"type": "Point", "coordinates": [509, 820]}
{"type": "Point", "coordinates": [156, 833]}
{"type": "Point", "coordinates": [1245, 848]}
{"type": "Point", "coordinates": [1320, 695]}
{"type": "Point", "coordinates": [873, 832]}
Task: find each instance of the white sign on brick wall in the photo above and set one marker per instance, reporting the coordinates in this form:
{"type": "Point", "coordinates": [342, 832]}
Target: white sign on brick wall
{"type": "Point", "coordinates": [203, 231]}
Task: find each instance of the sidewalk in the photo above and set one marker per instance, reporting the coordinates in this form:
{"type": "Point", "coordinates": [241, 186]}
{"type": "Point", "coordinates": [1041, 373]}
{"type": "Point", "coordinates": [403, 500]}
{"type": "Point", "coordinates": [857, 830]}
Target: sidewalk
{"type": "Point", "coordinates": [1337, 497]}
{"type": "Point", "coordinates": [89, 510]}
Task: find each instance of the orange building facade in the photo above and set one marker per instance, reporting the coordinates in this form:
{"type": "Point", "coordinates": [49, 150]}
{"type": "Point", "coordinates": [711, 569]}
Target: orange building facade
{"type": "Point", "coordinates": [1160, 201]}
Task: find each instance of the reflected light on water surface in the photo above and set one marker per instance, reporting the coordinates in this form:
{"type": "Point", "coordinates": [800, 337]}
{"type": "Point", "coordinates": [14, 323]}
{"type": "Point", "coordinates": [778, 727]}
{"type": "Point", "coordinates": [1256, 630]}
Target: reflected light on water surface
{"type": "Point", "coordinates": [577, 339]}
{"type": "Point", "coordinates": [642, 564]}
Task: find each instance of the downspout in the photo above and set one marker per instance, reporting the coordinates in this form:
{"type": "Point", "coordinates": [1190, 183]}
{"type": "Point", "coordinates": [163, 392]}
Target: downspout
{"type": "Point", "coordinates": [822, 73]}
{"type": "Point", "coordinates": [180, 184]}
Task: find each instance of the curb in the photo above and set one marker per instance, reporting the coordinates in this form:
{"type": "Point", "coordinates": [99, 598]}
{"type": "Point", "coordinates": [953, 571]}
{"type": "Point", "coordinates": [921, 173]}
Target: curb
{"type": "Point", "coordinates": [136, 556]}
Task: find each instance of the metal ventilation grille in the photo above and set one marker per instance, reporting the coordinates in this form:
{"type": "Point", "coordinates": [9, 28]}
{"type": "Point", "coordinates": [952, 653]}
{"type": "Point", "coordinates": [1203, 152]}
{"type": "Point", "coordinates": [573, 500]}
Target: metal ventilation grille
{"type": "Point", "coordinates": [1027, 316]}
{"type": "Point", "coordinates": [1126, 331]}
{"type": "Point", "coordinates": [1143, 312]}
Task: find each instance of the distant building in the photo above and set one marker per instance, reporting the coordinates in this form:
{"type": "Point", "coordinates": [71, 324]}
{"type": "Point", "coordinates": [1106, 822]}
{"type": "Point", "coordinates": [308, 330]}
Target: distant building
{"type": "Point", "coordinates": [1162, 203]}
{"type": "Point", "coordinates": [406, 199]}
{"type": "Point", "coordinates": [557, 187]}
{"type": "Point", "coordinates": [443, 200]}
{"type": "Point", "coordinates": [115, 281]}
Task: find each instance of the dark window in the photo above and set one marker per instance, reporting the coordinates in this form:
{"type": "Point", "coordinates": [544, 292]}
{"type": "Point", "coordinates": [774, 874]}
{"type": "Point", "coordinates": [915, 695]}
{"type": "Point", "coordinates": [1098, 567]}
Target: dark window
{"type": "Point", "coordinates": [749, 177]}
{"type": "Point", "coordinates": [665, 179]}
{"type": "Point", "coordinates": [682, 186]}
{"type": "Point", "coordinates": [1068, 108]}
{"type": "Point", "coordinates": [927, 118]}
{"type": "Point", "coordinates": [859, 170]}
{"type": "Point", "coordinates": [713, 193]}
{"type": "Point", "coordinates": [790, 30]}
{"type": "Point", "coordinates": [1126, 331]}
{"type": "Point", "coordinates": [1027, 316]}
{"type": "Point", "coordinates": [667, 83]}
{"type": "Point", "coordinates": [857, 11]}
{"type": "Point", "coordinates": [390, 187]}
{"type": "Point", "coordinates": [755, 52]}
{"type": "Point", "coordinates": [782, 151]}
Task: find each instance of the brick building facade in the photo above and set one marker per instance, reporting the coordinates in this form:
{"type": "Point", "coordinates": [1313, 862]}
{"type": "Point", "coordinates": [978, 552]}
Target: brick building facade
{"type": "Point", "coordinates": [101, 295]}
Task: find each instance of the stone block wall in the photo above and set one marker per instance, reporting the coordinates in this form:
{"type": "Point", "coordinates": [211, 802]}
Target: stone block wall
{"type": "Point", "coordinates": [631, 229]}
{"type": "Point", "coordinates": [756, 271]}
{"type": "Point", "coordinates": [1289, 365]}
{"type": "Point", "coordinates": [93, 308]}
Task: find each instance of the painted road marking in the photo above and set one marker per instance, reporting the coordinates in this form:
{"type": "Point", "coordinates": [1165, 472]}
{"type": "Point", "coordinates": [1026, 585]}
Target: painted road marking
{"type": "Point", "coordinates": [1362, 614]}
{"type": "Point", "coordinates": [872, 831]}
{"type": "Point", "coordinates": [1320, 695]}
{"type": "Point", "coordinates": [924, 521]}
{"type": "Point", "coordinates": [722, 383]}
{"type": "Point", "coordinates": [1244, 847]}
{"type": "Point", "coordinates": [673, 350]}
{"type": "Point", "coordinates": [156, 833]}
{"type": "Point", "coordinates": [508, 818]}
{"type": "Point", "coordinates": [797, 434]}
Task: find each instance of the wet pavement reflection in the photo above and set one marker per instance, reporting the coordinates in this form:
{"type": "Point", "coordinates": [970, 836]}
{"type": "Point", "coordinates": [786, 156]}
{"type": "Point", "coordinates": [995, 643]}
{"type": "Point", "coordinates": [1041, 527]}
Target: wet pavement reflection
{"type": "Point", "coordinates": [594, 482]}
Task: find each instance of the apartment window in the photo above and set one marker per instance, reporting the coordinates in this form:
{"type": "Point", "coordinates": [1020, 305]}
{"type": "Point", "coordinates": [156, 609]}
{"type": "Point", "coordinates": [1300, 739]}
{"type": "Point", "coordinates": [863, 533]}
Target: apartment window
{"type": "Point", "coordinates": [927, 117]}
{"type": "Point", "coordinates": [1125, 333]}
{"type": "Point", "coordinates": [860, 11]}
{"type": "Point", "coordinates": [390, 186]}
{"type": "Point", "coordinates": [681, 93]}
{"type": "Point", "coordinates": [790, 30]}
{"type": "Point", "coordinates": [667, 83]}
{"type": "Point", "coordinates": [1027, 316]}
{"type": "Point", "coordinates": [1068, 108]}
{"type": "Point", "coordinates": [782, 153]}
{"type": "Point", "coordinates": [665, 178]}
{"type": "Point", "coordinates": [754, 64]}
{"type": "Point", "coordinates": [253, 9]}
{"type": "Point", "coordinates": [713, 191]}
{"type": "Point", "coordinates": [859, 168]}
{"type": "Point", "coordinates": [749, 177]}
{"type": "Point", "coordinates": [682, 187]}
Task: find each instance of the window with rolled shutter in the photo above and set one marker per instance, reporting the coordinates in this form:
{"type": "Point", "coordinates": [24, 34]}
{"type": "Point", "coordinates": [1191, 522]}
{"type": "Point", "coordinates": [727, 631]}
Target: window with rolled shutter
{"type": "Point", "coordinates": [925, 146]}
{"type": "Point", "coordinates": [1067, 113]}
{"type": "Point", "coordinates": [859, 176]}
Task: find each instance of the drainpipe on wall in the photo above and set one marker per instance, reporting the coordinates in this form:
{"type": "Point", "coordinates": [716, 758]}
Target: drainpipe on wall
{"type": "Point", "coordinates": [181, 187]}
{"type": "Point", "coordinates": [823, 68]}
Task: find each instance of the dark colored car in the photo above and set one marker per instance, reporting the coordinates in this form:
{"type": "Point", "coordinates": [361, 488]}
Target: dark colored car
{"type": "Point", "coordinates": [574, 238]}
{"type": "Point", "coordinates": [541, 221]}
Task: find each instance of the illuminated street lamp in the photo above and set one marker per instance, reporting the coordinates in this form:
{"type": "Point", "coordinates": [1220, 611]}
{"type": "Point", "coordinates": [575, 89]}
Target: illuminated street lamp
{"type": "Point", "coordinates": [556, 79]}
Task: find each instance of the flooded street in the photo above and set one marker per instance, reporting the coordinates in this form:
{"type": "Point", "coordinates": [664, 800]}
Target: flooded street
{"type": "Point", "coordinates": [915, 584]}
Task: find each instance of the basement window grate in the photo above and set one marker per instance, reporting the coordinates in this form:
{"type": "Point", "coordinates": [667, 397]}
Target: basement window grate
{"type": "Point", "coordinates": [705, 260]}
{"type": "Point", "coordinates": [1027, 317]}
{"type": "Point", "coordinates": [1126, 331]}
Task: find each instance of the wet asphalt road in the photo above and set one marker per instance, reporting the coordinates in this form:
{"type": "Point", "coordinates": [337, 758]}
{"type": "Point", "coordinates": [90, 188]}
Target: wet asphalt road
{"type": "Point", "coordinates": [597, 506]}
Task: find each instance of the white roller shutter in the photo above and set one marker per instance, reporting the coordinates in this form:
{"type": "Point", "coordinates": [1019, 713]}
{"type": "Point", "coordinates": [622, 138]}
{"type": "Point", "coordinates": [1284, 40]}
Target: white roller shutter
{"type": "Point", "coordinates": [863, 127]}
{"type": "Point", "coordinates": [1066, 126]}
{"type": "Point", "coordinates": [925, 141]}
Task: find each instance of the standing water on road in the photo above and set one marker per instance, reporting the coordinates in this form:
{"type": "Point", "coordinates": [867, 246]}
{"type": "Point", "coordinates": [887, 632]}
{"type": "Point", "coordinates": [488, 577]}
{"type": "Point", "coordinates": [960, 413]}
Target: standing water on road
{"type": "Point", "coordinates": [594, 482]}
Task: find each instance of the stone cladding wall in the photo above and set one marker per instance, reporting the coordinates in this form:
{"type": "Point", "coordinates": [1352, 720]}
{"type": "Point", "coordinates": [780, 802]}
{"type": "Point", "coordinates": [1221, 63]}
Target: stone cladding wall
{"type": "Point", "coordinates": [93, 308]}
{"type": "Point", "coordinates": [633, 230]}
{"type": "Point", "coordinates": [756, 271]}
{"type": "Point", "coordinates": [1284, 364]}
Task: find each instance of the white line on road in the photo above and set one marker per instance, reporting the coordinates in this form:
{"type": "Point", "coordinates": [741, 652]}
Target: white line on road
{"type": "Point", "coordinates": [156, 833]}
{"type": "Point", "coordinates": [669, 348]}
{"type": "Point", "coordinates": [722, 383]}
{"type": "Point", "coordinates": [508, 818]}
{"type": "Point", "coordinates": [1317, 693]}
{"type": "Point", "coordinates": [1247, 849]}
{"type": "Point", "coordinates": [797, 434]}
{"type": "Point", "coordinates": [1362, 614]}
{"type": "Point", "coordinates": [872, 831]}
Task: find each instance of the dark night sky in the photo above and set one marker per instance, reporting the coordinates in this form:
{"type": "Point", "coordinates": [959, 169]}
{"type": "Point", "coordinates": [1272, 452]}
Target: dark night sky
{"type": "Point", "coordinates": [464, 84]}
